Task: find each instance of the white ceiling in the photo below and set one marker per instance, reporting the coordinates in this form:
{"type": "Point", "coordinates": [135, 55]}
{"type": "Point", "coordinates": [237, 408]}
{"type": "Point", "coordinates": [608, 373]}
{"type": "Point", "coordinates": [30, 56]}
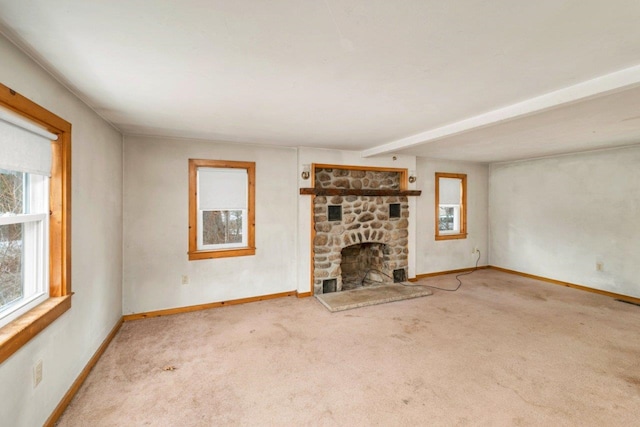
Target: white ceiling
{"type": "Point", "coordinates": [604, 122]}
{"type": "Point", "coordinates": [452, 79]}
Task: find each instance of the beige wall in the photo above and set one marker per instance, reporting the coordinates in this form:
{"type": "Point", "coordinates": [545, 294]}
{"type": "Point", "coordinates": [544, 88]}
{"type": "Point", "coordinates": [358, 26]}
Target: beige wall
{"type": "Point", "coordinates": [156, 226]}
{"type": "Point", "coordinates": [559, 217]}
{"type": "Point", "coordinates": [67, 344]}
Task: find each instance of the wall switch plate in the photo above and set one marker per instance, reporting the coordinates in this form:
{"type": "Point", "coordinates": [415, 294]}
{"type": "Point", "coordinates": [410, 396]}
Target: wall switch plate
{"type": "Point", "coordinates": [185, 279]}
{"type": "Point", "coordinates": [37, 373]}
{"type": "Point", "coordinates": [599, 266]}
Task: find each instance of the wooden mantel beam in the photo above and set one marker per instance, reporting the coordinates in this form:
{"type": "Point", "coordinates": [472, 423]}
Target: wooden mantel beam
{"type": "Point", "coordinates": [359, 192]}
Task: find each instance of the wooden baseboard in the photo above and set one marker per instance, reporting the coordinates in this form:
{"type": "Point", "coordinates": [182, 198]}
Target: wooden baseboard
{"type": "Point", "coordinates": [303, 294]}
{"type": "Point", "coordinates": [178, 310]}
{"type": "Point", "coordinates": [569, 285]}
{"type": "Point", "coordinates": [441, 273]}
{"type": "Point", "coordinates": [66, 399]}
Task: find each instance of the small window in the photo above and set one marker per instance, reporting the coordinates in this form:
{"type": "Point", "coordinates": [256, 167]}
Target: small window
{"type": "Point", "coordinates": [451, 206]}
{"type": "Point", "coordinates": [221, 209]}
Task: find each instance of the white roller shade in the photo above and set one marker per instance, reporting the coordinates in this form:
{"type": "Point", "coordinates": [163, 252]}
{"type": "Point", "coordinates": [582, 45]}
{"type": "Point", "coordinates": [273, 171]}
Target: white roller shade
{"type": "Point", "coordinates": [222, 189]}
{"type": "Point", "coordinates": [24, 146]}
{"type": "Point", "coordinates": [450, 191]}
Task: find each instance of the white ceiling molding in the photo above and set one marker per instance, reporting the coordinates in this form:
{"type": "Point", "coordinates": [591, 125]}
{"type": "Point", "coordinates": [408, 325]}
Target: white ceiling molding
{"type": "Point", "coordinates": [599, 86]}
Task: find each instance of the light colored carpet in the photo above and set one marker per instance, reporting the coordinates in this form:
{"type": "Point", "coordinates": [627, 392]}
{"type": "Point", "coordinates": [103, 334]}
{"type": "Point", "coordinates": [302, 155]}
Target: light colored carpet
{"type": "Point", "coordinates": [371, 295]}
{"type": "Point", "coordinates": [503, 350]}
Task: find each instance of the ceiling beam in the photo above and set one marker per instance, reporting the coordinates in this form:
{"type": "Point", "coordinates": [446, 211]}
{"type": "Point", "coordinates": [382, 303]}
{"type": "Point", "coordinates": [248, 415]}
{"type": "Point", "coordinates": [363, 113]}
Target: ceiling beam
{"type": "Point", "coordinates": [603, 85]}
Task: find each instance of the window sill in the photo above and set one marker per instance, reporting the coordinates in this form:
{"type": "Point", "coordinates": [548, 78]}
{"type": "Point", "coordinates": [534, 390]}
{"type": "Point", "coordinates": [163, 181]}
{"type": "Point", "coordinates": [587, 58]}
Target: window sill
{"type": "Point", "coordinates": [451, 236]}
{"type": "Point", "coordinates": [18, 332]}
{"type": "Point", "coordinates": [223, 253]}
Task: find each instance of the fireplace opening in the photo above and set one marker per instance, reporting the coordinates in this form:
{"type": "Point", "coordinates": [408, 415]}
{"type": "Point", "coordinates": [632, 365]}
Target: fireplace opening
{"type": "Point", "coordinates": [365, 264]}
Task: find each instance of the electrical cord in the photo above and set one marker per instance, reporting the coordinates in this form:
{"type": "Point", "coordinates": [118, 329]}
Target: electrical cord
{"type": "Point", "coordinates": [457, 278]}
{"type": "Point", "coordinates": [428, 286]}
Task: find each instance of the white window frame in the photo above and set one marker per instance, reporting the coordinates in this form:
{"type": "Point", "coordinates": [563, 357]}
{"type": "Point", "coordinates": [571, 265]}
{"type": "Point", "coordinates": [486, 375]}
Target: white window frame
{"type": "Point", "coordinates": [456, 219]}
{"type": "Point", "coordinates": [245, 228]}
{"type": "Point", "coordinates": [35, 234]}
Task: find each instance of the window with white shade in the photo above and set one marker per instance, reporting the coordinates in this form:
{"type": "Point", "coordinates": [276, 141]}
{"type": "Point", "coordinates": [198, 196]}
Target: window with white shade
{"type": "Point", "coordinates": [221, 208]}
{"type": "Point", "coordinates": [25, 167]}
{"type": "Point", "coordinates": [450, 205]}
{"type": "Point", "coordinates": [35, 219]}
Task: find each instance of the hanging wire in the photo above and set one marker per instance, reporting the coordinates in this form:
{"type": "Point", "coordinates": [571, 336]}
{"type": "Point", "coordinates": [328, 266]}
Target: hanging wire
{"type": "Point", "coordinates": [457, 278]}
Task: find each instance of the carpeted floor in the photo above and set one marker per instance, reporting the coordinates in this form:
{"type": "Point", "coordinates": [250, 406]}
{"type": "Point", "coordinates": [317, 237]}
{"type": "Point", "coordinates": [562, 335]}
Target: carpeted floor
{"type": "Point", "coordinates": [503, 350]}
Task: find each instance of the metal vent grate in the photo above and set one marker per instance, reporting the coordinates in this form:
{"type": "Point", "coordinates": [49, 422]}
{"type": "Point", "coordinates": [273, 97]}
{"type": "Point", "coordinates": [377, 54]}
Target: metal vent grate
{"type": "Point", "coordinates": [394, 210]}
{"type": "Point", "coordinates": [335, 213]}
{"type": "Point", "coordinates": [329, 285]}
{"type": "Point", "coordinates": [399, 275]}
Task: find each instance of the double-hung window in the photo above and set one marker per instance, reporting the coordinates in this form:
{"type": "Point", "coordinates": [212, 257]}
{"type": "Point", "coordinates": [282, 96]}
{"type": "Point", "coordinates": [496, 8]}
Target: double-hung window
{"type": "Point", "coordinates": [451, 206]}
{"type": "Point", "coordinates": [35, 219]}
{"type": "Point", "coordinates": [25, 167]}
{"type": "Point", "coordinates": [221, 208]}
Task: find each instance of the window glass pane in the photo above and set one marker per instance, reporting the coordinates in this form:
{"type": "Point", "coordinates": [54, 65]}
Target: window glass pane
{"type": "Point", "coordinates": [221, 227]}
{"type": "Point", "coordinates": [11, 262]}
{"type": "Point", "coordinates": [446, 218]}
{"type": "Point", "coordinates": [449, 218]}
{"type": "Point", "coordinates": [11, 192]}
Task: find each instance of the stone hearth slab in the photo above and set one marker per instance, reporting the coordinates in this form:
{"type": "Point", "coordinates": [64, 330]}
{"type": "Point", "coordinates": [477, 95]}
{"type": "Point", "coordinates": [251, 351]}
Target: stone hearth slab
{"type": "Point", "coordinates": [371, 295]}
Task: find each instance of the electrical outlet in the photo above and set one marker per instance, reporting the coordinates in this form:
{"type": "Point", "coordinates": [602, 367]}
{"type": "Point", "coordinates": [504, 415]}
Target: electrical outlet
{"type": "Point", "coordinates": [599, 266]}
{"type": "Point", "coordinates": [475, 250]}
{"type": "Point", "coordinates": [37, 374]}
{"type": "Point", "coordinates": [185, 279]}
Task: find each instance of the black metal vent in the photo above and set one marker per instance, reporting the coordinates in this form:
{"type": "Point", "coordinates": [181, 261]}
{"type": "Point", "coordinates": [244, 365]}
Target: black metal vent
{"type": "Point", "coordinates": [335, 213]}
{"type": "Point", "coordinates": [394, 210]}
{"type": "Point", "coordinates": [329, 285]}
{"type": "Point", "coordinates": [399, 275]}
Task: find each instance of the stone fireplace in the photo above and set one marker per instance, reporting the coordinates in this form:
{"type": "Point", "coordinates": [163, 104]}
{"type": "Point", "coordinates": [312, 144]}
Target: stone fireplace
{"type": "Point", "coordinates": [361, 228]}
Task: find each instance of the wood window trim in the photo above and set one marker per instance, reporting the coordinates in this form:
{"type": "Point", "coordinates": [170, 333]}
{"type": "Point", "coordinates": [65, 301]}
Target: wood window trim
{"type": "Point", "coordinates": [250, 249]}
{"type": "Point", "coordinates": [21, 330]}
{"type": "Point", "coordinates": [463, 207]}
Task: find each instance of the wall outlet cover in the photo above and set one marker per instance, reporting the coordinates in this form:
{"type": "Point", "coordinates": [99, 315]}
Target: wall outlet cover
{"type": "Point", "coordinates": [37, 373]}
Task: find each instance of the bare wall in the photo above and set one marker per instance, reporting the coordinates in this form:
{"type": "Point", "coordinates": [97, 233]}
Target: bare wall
{"type": "Point", "coordinates": [444, 255]}
{"type": "Point", "coordinates": [67, 344]}
{"type": "Point", "coordinates": [560, 217]}
{"type": "Point", "coordinates": [156, 226]}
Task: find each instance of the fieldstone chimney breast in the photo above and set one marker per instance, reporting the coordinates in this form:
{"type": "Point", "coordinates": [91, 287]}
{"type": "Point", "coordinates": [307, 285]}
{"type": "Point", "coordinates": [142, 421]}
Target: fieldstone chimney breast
{"type": "Point", "coordinates": [365, 245]}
